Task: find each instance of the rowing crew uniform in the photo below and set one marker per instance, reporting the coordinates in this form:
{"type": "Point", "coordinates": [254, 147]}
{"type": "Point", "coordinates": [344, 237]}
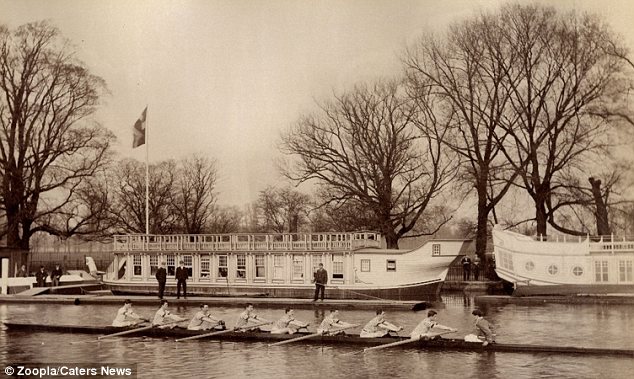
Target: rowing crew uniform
{"type": "Point", "coordinates": [424, 328]}
{"type": "Point", "coordinates": [329, 323]}
{"type": "Point", "coordinates": [287, 325]}
{"type": "Point", "coordinates": [126, 317]}
{"type": "Point", "coordinates": [161, 317]}
{"type": "Point", "coordinates": [378, 327]}
{"type": "Point", "coordinates": [202, 321]}
{"type": "Point", "coordinates": [244, 319]}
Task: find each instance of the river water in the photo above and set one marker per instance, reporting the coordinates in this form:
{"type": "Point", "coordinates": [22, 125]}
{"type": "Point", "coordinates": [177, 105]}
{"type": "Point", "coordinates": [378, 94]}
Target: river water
{"type": "Point", "coordinates": [588, 325]}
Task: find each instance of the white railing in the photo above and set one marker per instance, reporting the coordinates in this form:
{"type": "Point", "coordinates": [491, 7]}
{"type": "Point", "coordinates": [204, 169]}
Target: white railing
{"type": "Point", "coordinates": [247, 242]}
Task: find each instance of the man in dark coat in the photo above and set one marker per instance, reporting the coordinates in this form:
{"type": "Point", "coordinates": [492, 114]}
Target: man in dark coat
{"type": "Point", "coordinates": [161, 277]}
{"type": "Point", "coordinates": [56, 275]}
{"type": "Point", "coordinates": [466, 268]}
{"type": "Point", "coordinates": [40, 277]}
{"type": "Point", "coordinates": [181, 280]}
{"type": "Point", "coordinates": [320, 278]}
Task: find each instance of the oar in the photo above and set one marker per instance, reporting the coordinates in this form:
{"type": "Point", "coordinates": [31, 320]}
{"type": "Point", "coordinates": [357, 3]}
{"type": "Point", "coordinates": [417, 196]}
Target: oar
{"type": "Point", "coordinates": [312, 335]}
{"type": "Point", "coordinates": [397, 343]}
{"type": "Point", "coordinates": [222, 332]}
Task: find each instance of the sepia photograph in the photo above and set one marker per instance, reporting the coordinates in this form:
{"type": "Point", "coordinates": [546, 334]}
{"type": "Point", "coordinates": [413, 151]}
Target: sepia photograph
{"type": "Point", "coordinates": [317, 188]}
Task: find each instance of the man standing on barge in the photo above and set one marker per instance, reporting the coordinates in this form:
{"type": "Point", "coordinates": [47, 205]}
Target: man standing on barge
{"type": "Point", "coordinates": [181, 280]}
{"type": "Point", "coordinates": [320, 278]}
{"type": "Point", "coordinates": [161, 277]}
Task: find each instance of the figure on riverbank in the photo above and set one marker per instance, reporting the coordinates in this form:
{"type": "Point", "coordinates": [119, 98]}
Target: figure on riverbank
{"type": "Point", "coordinates": [56, 275]}
{"type": "Point", "coordinates": [161, 277]}
{"type": "Point", "coordinates": [164, 318]}
{"type": "Point", "coordinates": [466, 268]}
{"type": "Point", "coordinates": [181, 280]}
{"type": "Point", "coordinates": [475, 267]}
{"type": "Point", "coordinates": [126, 316]}
{"type": "Point", "coordinates": [378, 327]}
{"type": "Point", "coordinates": [288, 324]}
{"type": "Point", "coordinates": [320, 278]}
{"type": "Point", "coordinates": [424, 328]}
{"type": "Point", "coordinates": [22, 273]}
{"type": "Point", "coordinates": [249, 316]}
{"type": "Point", "coordinates": [40, 277]}
{"type": "Point", "coordinates": [204, 321]}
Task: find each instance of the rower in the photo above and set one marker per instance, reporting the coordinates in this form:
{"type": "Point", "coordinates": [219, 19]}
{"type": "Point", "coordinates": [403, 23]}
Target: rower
{"type": "Point", "coordinates": [484, 328]}
{"type": "Point", "coordinates": [288, 324]}
{"type": "Point", "coordinates": [331, 322]}
{"type": "Point", "coordinates": [378, 327]}
{"type": "Point", "coordinates": [248, 316]}
{"type": "Point", "coordinates": [423, 330]}
{"type": "Point", "coordinates": [126, 316]}
{"type": "Point", "coordinates": [203, 320]}
{"type": "Point", "coordinates": [164, 319]}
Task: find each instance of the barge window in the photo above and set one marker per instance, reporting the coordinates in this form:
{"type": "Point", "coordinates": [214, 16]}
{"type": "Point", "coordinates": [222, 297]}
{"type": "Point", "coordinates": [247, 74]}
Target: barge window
{"type": "Point", "coordinates": [278, 266]}
{"type": "Point", "coordinates": [171, 265]}
{"type": "Point", "coordinates": [625, 271]}
{"type": "Point", "coordinates": [435, 249]}
{"type": "Point", "coordinates": [241, 267]}
{"type": "Point", "coordinates": [365, 265]}
{"type": "Point", "coordinates": [601, 271]}
{"type": "Point", "coordinates": [205, 266]}
{"type": "Point", "coordinates": [553, 270]}
{"type": "Point", "coordinates": [153, 264]}
{"type": "Point", "coordinates": [298, 267]}
{"type": "Point", "coordinates": [260, 270]}
{"type": "Point", "coordinates": [577, 271]}
{"type": "Point", "coordinates": [529, 266]}
{"type": "Point", "coordinates": [136, 265]}
{"type": "Point", "coordinates": [391, 265]}
{"type": "Point", "coordinates": [337, 266]}
{"type": "Point", "coordinates": [317, 259]}
{"type": "Point", "coordinates": [222, 266]}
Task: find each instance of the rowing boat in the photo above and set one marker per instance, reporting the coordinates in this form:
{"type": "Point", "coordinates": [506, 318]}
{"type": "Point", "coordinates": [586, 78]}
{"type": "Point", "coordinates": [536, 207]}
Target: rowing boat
{"type": "Point", "coordinates": [347, 339]}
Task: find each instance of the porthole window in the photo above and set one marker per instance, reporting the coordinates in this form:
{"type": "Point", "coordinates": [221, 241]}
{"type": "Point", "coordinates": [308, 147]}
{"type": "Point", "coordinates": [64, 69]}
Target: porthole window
{"type": "Point", "coordinates": [577, 271]}
{"type": "Point", "coordinates": [553, 270]}
{"type": "Point", "coordinates": [529, 266]}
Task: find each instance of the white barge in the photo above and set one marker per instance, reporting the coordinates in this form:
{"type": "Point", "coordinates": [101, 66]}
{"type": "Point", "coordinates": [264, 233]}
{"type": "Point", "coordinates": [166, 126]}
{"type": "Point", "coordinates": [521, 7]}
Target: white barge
{"type": "Point", "coordinates": [282, 265]}
{"type": "Point", "coordinates": [564, 265]}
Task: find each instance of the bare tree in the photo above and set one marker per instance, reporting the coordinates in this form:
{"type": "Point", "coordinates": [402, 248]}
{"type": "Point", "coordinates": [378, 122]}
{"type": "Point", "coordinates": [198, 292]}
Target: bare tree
{"type": "Point", "coordinates": [371, 146]}
{"type": "Point", "coordinates": [465, 70]}
{"type": "Point", "coordinates": [194, 196]}
{"type": "Point", "coordinates": [565, 81]}
{"type": "Point", "coordinates": [128, 198]}
{"type": "Point", "coordinates": [224, 220]}
{"type": "Point", "coordinates": [48, 148]}
{"type": "Point", "coordinates": [282, 210]}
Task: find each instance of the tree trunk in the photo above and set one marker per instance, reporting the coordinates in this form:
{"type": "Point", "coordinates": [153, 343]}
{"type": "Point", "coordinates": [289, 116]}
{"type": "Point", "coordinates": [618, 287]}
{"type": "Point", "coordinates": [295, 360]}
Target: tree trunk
{"type": "Point", "coordinates": [391, 238]}
{"type": "Point", "coordinates": [541, 216]}
{"type": "Point", "coordinates": [481, 232]}
{"type": "Point", "coordinates": [601, 214]}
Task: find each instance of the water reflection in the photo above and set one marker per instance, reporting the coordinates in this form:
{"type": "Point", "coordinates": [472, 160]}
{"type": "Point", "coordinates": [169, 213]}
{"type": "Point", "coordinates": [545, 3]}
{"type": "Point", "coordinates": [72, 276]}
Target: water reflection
{"type": "Point", "coordinates": [550, 324]}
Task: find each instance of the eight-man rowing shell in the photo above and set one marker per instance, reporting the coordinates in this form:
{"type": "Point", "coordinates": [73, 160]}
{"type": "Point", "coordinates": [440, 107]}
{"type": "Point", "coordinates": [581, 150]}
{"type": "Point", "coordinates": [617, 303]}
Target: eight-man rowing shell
{"type": "Point", "coordinates": [348, 339]}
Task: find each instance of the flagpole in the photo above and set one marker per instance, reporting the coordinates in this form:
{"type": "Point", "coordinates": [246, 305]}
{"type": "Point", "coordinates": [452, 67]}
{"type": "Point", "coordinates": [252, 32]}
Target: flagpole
{"type": "Point", "coordinates": [147, 174]}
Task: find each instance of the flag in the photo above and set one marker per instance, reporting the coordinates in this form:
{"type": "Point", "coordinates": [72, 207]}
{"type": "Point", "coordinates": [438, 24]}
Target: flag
{"type": "Point", "coordinates": [139, 130]}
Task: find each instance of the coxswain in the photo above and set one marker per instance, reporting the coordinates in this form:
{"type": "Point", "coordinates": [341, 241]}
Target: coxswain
{"type": "Point", "coordinates": [249, 316]}
{"type": "Point", "coordinates": [203, 320]}
{"type": "Point", "coordinates": [331, 323]}
{"type": "Point", "coordinates": [126, 316]}
{"type": "Point", "coordinates": [424, 329]}
{"type": "Point", "coordinates": [164, 319]}
{"type": "Point", "coordinates": [378, 327]}
{"type": "Point", "coordinates": [484, 328]}
{"type": "Point", "coordinates": [288, 324]}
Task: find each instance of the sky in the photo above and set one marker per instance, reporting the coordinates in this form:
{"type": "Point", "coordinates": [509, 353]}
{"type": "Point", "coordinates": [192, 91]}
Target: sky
{"type": "Point", "coordinates": [223, 78]}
